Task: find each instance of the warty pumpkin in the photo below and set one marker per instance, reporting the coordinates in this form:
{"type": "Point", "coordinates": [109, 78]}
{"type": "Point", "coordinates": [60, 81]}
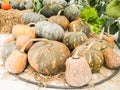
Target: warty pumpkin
{"type": "Point", "coordinates": [71, 12]}
{"type": "Point", "coordinates": [49, 30]}
{"type": "Point", "coordinates": [77, 71]}
{"type": "Point", "coordinates": [19, 29]}
{"type": "Point", "coordinates": [48, 57]}
{"type": "Point", "coordinates": [60, 20]}
{"type": "Point", "coordinates": [74, 39]}
{"type": "Point", "coordinates": [79, 25]}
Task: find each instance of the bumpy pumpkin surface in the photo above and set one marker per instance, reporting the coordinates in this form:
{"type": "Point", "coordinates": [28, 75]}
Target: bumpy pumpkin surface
{"type": "Point", "coordinates": [74, 39]}
{"type": "Point", "coordinates": [49, 30]}
{"type": "Point", "coordinates": [79, 25]}
{"type": "Point", "coordinates": [48, 57]}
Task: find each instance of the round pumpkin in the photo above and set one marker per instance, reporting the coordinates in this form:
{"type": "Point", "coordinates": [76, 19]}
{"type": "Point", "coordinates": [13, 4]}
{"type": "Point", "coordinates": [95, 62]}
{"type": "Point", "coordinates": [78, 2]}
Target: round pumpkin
{"type": "Point", "coordinates": [71, 12]}
{"type": "Point", "coordinates": [79, 25]}
{"type": "Point", "coordinates": [22, 40]}
{"type": "Point", "coordinates": [49, 30]}
{"type": "Point", "coordinates": [51, 9]}
{"type": "Point", "coordinates": [74, 39]}
{"type": "Point", "coordinates": [18, 30]}
{"type": "Point", "coordinates": [60, 20]}
{"type": "Point", "coordinates": [6, 6]}
{"type": "Point", "coordinates": [48, 57]}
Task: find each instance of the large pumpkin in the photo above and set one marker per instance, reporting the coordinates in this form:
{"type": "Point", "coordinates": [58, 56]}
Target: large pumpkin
{"type": "Point", "coordinates": [74, 39]}
{"type": "Point", "coordinates": [48, 57]}
{"type": "Point", "coordinates": [79, 25]}
{"type": "Point", "coordinates": [49, 30]}
{"type": "Point", "coordinates": [61, 20]}
{"type": "Point", "coordinates": [71, 12]}
{"type": "Point", "coordinates": [51, 9]}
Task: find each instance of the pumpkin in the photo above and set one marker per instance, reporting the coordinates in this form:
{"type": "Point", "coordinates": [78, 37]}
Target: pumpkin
{"type": "Point", "coordinates": [79, 25]}
{"type": "Point", "coordinates": [48, 57]}
{"type": "Point", "coordinates": [60, 20]}
{"type": "Point", "coordinates": [22, 40]}
{"type": "Point", "coordinates": [74, 39]}
{"type": "Point", "coordinates": [14, 4]}
{"type": "Point", "coordinates": [19, 29]}
{"type": "Point", "coordinates": [31, 17]}
{"type": "Point", "coordinates": [51, 9]}
{"type": "Point", "coordinates": [6, 6]}
{"type": "Point", "coordinates": [61, 2]}
{"type": "Point", "coordinates": [112, 60]}
{"type": "Point", "coordinates": [49, 30]}
{"type": "Point", "coordinates": [77, 71]}
{"type": "Point", "coordinates": [28, 4]}
{"type": "Point", "coordinates": [71, 12]}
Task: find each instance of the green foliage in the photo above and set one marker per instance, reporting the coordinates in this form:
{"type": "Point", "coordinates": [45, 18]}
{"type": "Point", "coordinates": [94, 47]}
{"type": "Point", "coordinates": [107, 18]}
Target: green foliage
{"type": "Point", "coordinates": [37, 5]}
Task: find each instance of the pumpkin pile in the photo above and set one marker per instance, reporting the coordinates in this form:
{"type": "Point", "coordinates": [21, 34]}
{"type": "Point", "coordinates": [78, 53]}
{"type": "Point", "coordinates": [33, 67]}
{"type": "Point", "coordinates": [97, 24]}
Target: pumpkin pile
{"type": "Point", "coordinates": [58, 40]}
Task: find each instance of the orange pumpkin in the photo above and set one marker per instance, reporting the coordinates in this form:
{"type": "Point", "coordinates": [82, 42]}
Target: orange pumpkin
{"type": "Point", "coordinates": [6, 6]}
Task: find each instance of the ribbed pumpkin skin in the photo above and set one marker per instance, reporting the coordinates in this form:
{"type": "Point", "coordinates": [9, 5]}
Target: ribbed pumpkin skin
{"type": "Point", "coordinates": [79, 26]}
{"type": "Point", "coordinates": [77, 72]}
{"type": "Point", "coordinates": [71, 12]}
{"type": "Point", "coordinates": [49, 30]}
{"type": "Point", "coordinates": [48, 59]}
{"type": "Point", "coordinates": [50, 10]}
{"type": "Point", "coordinates": [61, 20]}
{"type": "Point", "coordinates": [95, 59]}
{"type": "Point", "coordinates": [74, 39]}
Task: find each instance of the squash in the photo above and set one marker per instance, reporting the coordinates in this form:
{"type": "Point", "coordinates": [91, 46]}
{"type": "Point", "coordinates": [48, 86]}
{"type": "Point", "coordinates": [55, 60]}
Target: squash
{"type": "Point", "coordinates": [74, 39]}
{"type": "Point", "coordinates": [28, 4]}
{"type": "Point", "coordinates": [31, 17]}
{"type": "Point", "coordinates": [14, 4]}
{"type": "Point", "coordinates": [19, 29]}
{"type": "Point", "coordinates": [6, 6]}
{"type": "Point", "coordinates": [77, 71]}
{"type": "Point", "coordinates": [51, 9]}
{"type": "Point", "coordinates": [48, 57]}
{"type": "Point", "coordinates": [60, 20]}
{"type": "Point", "coordinates": [71, 12]}
{"type": "Point", "coordinates": [112, 60]}
{"type": "Point", "coordinates": [61, 2]}
{"type": "Point", "coordinates": [80, 25]}
{"type": "Point", "coordinates": [22, 40]}
{"type": "Point", "coordinates": [49, 30]}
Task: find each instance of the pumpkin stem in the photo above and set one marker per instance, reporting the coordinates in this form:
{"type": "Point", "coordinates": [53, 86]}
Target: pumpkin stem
{"type": "Point", "coordinates": [108, 31]}
{"type": "Point", "coordinates": [76, 56]}
{"type": "Point", "coordinates": [31, 24]}
{"type": "Point", "coordinates": [89, 46]}
{"type": "Point", "coordinates": [101, 35]}
{"type": "Point", "coordinates": [59, 13]}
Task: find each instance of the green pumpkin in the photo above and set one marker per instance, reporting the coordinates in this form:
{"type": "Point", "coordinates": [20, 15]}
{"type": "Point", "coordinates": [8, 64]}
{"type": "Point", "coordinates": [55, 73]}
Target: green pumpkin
{"type": "Point", "coordinates": [79, 25]}
{"type": "Point", "coordinates": [49, 30]}
{"type": "Point", "coordinates": [51, 9]}
{"type": "Point", "coordinates": [74, 39]}
{"type": "Point", "coordinates": [71, 12]}
{"type": "Point", "coordinates": [48, 57]}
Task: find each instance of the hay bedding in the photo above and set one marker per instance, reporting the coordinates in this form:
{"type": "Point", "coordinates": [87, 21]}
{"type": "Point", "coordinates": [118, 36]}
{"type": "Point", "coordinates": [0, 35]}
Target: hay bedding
{"type": "Point", "coordinates": [9, 18]}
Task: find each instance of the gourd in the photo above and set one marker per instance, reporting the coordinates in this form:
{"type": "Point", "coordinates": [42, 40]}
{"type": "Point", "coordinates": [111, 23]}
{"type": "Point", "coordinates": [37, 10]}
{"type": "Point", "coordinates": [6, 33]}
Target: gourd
{"type": "Point", "coordinates": [71, 12]}
{"type": "Point", "coordinates": [51, 9]}
{"type": "Point", "coordinates": [19, 29]}
{"type": "Point", "coordinates": [61, 2]}
{"type": "Point", "coordinates": [49, 30]}
{"type": "Point", "coordinates": [31, 17]}
{"type": "Point", "coordinates": [77, 71]}
{"type": "Point", "coordinates": [74, 39]}
{"type": "Point", "coordinates": [48, 57]}
{"type": "Point", "coordinates": [14, 4]}
{"type": "Point", "coordinates": [6, 6]}
{"type": "Point", "coordinates": [60, 20]}
{"type": "Point", "coordinates": [112, 59]}
{"type": "Point", "coordinates": [80, 25]}
{"type": "Point", "coordinates": [22, 40]}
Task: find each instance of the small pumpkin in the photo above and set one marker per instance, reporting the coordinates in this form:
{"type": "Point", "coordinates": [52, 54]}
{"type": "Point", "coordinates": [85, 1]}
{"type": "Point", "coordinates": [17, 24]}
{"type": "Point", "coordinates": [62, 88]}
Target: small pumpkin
{"type": "Point", "coordinates": [71, 12]}
{"type": "Point", "coordinates": [19, 29]}
{"type": "Point", "coordinates": [31, 17]}
{"type": "Point", "coordinates": [77, 71]}
{"type": "Point", "coordinates": [14, 4]}
{"type": "Point", "coordinates": [22, 40]}
{"type": "Point", "coordinates": [6, 6]}
{"type": "Point", "coordinates": [60, 20]}
{"type": "Point", "coordinates": [49, 30]}
{"type": "Point", "coordinates": [51, 9]}
{"type": "Point", "coordinates": [74, 39]}
{"type": "Point", "coordinates": [79, 25]}
{"type": "Point", "coordinates": [112, 60]}
{"type": "Point", "coordinates": [48, 57]}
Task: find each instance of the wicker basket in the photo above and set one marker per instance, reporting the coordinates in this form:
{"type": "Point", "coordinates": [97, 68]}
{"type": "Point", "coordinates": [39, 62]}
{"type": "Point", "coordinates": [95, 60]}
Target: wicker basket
{"type": "Point", "coordinates": [9, 18]}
